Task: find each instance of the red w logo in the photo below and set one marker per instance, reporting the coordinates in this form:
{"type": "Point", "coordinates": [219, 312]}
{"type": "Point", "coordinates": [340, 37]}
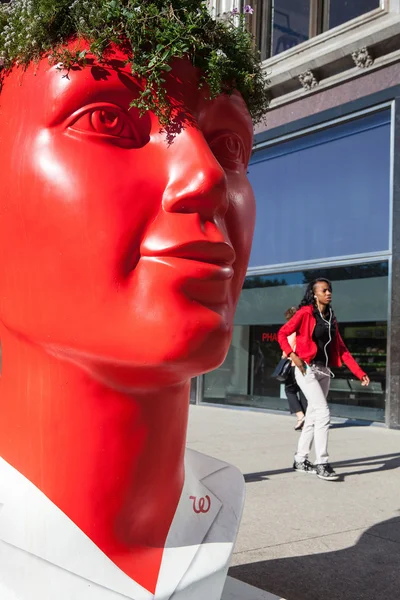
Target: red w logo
{"type": "Point", "coordinates": [203, 505]}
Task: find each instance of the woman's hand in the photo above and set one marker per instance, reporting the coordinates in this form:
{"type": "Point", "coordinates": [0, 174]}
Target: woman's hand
{"type": "Point", "coordinates": [298, 362]}
{"type": "Point", "coordinates": [365, 380]}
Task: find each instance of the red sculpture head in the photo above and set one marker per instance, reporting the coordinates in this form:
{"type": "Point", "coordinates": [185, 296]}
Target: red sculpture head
{"type": "Point", "coordinates": [120, 251]}
{"type": "Point", "coordinates": [122, 260]}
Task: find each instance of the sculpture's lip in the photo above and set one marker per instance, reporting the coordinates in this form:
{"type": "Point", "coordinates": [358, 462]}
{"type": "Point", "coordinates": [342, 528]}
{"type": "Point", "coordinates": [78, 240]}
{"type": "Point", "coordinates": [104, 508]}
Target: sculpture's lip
{"type": "Point", "coordinates": [215, 253]}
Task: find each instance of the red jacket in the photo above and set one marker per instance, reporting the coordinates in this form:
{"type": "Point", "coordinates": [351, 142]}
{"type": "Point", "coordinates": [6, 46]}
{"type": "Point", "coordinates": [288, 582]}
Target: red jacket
{"type": "Point", "coordinates": [303, 324]}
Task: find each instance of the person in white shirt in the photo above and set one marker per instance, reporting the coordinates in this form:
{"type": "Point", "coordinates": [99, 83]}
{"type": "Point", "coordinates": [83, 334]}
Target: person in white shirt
{"type": "Point", "coordinates": [296, 398]}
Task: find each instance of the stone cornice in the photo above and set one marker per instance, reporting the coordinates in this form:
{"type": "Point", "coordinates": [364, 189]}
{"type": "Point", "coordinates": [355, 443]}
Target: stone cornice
{"type": "Point", "coordinates": [348, 46]}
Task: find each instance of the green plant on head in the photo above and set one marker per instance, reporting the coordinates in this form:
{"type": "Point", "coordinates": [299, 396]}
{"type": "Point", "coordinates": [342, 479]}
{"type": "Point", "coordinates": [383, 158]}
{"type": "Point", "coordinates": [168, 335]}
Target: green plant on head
{"type": "Point", "coordinates": [152, 33]}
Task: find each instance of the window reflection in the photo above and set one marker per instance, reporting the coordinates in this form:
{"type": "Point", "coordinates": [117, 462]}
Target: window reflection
{"type": "Point", "coordinates": [341, 11]}
{"type": "Point", "coordinates": [291, 22]}
{"type": "Point", "coordinates": [348, 167]}
{"type": "Point", "coordinates": [231, 379]}
{"type": "Point", "coordinates": [283, 24]}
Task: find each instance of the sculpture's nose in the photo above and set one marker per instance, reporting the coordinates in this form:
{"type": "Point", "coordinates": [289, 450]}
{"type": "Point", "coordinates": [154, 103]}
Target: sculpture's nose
{"type": "Point", "coordinates": [197, 182]}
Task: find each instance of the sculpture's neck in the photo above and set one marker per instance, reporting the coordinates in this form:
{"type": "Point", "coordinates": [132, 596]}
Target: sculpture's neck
{"type": "Point", "coordinates": [104, 457]}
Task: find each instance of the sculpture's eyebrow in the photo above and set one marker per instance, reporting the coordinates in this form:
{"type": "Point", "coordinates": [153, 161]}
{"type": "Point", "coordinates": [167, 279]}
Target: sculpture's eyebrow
{"type": "Point", "coordinates": [70, 92]}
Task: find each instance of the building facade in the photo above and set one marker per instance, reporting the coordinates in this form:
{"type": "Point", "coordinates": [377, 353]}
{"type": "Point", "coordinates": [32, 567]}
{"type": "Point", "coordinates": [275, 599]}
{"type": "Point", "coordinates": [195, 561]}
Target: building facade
{"type": "Point", "coordinates": [326, 175]}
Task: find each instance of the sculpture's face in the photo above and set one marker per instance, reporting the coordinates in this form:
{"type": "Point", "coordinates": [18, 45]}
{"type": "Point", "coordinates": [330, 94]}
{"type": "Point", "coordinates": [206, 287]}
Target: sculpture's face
{"type": "Point", "coordinates": [120, 251]}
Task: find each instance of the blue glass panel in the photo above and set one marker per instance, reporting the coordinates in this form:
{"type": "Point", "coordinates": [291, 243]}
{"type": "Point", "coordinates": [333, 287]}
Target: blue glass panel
{"type": "Point", "coordinates": [324, 194]}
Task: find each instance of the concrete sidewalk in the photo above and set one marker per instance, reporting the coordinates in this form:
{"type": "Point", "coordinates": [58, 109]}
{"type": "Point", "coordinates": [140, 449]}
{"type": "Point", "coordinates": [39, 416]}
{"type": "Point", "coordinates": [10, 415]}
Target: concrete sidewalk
{"type": "Point", "coordinates": [302, 538]}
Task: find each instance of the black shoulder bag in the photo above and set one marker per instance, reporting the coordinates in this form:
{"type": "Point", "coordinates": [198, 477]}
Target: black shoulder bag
{"type": "Point", "coordinates": [282, 369]}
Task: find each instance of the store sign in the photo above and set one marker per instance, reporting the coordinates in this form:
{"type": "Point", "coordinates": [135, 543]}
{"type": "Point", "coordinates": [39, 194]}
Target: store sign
{"type": "Point", "coordinates": [269, 337]}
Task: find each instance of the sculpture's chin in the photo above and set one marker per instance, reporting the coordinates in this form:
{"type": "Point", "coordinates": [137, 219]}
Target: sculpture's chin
{"type": "Point", "coordinates": [159, 371]}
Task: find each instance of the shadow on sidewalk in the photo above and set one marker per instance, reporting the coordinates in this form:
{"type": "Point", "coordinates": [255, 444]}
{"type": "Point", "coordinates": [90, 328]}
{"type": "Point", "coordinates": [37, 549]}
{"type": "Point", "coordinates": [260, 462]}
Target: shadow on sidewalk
{"type": "Point", "coordinates": [369, 570]}
{"type": "Point", "coordinates": [384, 462]}
{"type": "Point", "coordinates": [351, 423]}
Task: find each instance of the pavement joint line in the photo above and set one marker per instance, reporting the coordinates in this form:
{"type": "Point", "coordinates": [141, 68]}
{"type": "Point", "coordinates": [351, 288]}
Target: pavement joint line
{"type": "Point", "coordinates": [316, 537]}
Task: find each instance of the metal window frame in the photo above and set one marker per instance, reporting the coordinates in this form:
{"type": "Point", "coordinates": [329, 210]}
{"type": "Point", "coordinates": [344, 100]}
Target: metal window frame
{"type": "Point", "coordinates": [316, 17]}
{"type": "Point", "coordinates": [388, 422]}
{"type": "Point", "coordinates": [387, 104]}
{"type": "Point", "coordinates": [263, 27]}
{"type": "Point", "coordinates": [326, 5]}
{"type": "Point", "coordinates": [328, 263]}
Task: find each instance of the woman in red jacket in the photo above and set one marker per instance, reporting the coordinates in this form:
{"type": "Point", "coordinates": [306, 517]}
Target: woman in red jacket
{"type": "Point", "coordinates": [319, 346]}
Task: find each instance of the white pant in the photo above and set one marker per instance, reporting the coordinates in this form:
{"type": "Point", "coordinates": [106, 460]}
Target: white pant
{"type": "Point", "coordinates": [315, 386]}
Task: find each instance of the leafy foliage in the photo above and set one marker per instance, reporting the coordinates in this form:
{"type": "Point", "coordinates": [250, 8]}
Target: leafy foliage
{"type": "Point", "coordinates": [152, 32]}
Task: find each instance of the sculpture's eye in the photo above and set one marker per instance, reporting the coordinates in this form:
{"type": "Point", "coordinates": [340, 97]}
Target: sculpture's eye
{"type": "Point", "coordinates": [110, 123]}
{"type": "Point", "coordinates": [229, 150]}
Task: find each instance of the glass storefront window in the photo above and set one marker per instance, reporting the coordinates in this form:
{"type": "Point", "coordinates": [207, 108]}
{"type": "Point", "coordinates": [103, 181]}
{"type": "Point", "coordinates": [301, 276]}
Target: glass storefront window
{"type": "Point", "coordinates": [360, 301]}
{"type": "Point", "coordinates": [231, 379]}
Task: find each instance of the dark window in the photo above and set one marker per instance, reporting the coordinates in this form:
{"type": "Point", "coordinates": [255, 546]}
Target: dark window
{"type": "Point", "coordinates": [341, 11]}
{"type": "Point", "coordinates": [279, 25]}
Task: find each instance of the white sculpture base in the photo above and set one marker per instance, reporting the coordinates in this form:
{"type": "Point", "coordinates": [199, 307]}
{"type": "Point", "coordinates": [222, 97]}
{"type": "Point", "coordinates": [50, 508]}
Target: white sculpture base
{"type": "Point", "coordinates": [45, 556]}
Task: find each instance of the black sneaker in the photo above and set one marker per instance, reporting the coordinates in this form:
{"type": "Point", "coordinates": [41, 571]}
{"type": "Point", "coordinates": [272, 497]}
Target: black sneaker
{"type": "Point", "coordinates": [304, 467]}
{"type": "Point", "coordinates": [326, 472]}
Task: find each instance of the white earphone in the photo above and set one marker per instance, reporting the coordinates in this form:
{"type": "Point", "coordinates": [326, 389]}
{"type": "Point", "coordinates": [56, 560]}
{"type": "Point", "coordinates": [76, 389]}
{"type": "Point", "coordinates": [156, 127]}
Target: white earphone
{"type": "Point", "coordinates": [329, 323]}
